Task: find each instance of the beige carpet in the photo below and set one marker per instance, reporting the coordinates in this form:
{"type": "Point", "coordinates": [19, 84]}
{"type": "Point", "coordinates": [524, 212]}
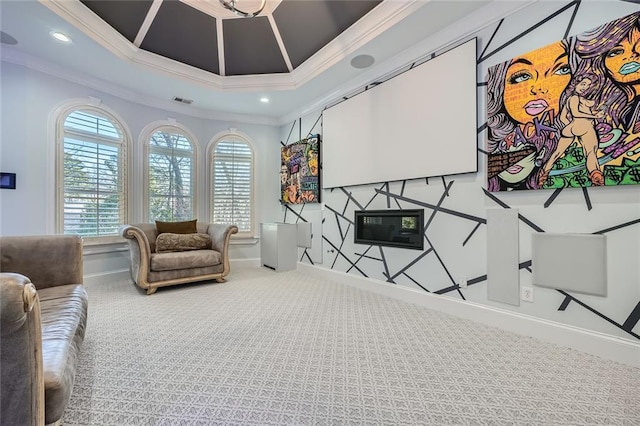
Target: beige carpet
{"type": "Point", "coordinates": [271, 348]}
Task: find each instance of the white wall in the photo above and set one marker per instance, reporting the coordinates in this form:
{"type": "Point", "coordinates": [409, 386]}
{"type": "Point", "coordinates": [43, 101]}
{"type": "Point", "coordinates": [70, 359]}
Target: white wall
{"type": "Point", "coordinates": [27, 149]}
{"type": "Point", "coordinates": [461, 252]}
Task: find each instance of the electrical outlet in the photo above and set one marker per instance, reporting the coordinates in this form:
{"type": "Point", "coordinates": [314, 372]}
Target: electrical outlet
{"type": "Point", "coordinates": [462, 282]}
{"type": "Point", "coordinates": [526, 294]}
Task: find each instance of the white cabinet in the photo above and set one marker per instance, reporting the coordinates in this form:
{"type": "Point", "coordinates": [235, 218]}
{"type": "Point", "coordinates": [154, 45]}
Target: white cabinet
{"type": "Point", "coordinates": [278, 246]}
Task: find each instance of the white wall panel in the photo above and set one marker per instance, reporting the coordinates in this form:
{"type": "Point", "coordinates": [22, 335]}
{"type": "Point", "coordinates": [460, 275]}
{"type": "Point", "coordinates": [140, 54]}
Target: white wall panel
{"type": "Point", "coordinates": [383, 133]}
{"type": "Point", "coordinates": [503, 274]}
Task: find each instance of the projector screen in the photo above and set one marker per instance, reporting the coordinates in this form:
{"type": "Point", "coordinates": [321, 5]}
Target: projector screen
{"type": "Point", "coordinates": [420, 123]}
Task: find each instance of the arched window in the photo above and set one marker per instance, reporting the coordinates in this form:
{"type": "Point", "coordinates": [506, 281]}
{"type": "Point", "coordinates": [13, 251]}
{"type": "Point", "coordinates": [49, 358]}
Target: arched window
{"type": "Point", "coordinates": [232, 186]}
{"type": "Point", "coordinates": [170, 175]}
{"type": "Point", "coordinates": [91, 163]}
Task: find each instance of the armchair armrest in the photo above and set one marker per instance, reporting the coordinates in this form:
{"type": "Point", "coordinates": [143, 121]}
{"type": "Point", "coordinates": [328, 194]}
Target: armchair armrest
{"type": "Point", "coordinates": [140, 251]}
{"type": "Point", "coordinates": [22, 374]}
{"type": "Point", "coordinates": [220, 235]}
{"type": "Point", "coordinates": [48, 260]}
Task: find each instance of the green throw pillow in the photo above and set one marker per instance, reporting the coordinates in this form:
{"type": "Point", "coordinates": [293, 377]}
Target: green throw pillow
{"type": "Point", "coordinates": [186, 227]}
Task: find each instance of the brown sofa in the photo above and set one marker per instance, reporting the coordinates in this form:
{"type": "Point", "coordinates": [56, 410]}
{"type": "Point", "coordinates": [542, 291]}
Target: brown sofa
{"type": "Point", "coordinates": [43, 319]}
{"type": "Point", "coordinates": [151, 270]}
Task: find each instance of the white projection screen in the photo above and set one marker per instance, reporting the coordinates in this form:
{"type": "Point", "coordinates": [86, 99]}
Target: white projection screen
{"type": "Point", "coordinates": [420, 123]}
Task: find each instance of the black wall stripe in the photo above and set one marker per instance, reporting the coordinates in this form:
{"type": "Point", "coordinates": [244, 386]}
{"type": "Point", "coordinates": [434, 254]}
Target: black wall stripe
{"type": "Point", "coordinates": [552, 197]}
{"type": "Point", "coordinates": [528, 30]}
{"type": "Point", "coordinates": [573, 16]}
{"type": "Point", "coordinates": [471, 234]}
{"type": "Point", "coordinates": [586, 198]}
{"type": "Point", "coordinates": [564, 304]}
{"type": "Point", "coordinates": [632, 319]}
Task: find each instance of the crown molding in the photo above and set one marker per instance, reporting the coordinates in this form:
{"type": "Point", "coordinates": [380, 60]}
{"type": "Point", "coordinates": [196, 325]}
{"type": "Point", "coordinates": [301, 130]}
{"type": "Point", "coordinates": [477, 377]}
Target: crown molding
{"type": "Point", "coordinates": [16, 57]}
{"type": "Point", "coordinates": [382, 17]}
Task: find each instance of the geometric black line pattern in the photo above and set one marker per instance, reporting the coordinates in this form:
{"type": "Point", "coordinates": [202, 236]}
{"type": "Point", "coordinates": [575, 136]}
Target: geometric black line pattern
{"type": "Point", "coordinates": [604, 317]}
{"type": "Point", "coordinates": [463, 223]}
{"type": "Point", "coordinates": [391, 274]}
{"type": "Point", "coordinates": [528, 30]}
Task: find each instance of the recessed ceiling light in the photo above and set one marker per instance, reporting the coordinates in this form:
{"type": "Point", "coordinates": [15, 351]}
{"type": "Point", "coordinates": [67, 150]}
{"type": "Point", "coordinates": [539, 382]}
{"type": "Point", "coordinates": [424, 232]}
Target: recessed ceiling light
{"type": "Point", "coordinates": [264, 100]}
{"type": "Point", "coordinates": [362, 61]}
{"type": "Point", "coordinates": [60, 36]}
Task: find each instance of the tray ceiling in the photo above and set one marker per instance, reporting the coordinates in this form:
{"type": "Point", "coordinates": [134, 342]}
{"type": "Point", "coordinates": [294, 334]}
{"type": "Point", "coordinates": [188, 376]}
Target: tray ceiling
{"type": "Point", "coordinates": [205, 35]}
{"type": "Point", "coordinates": [139, 50]}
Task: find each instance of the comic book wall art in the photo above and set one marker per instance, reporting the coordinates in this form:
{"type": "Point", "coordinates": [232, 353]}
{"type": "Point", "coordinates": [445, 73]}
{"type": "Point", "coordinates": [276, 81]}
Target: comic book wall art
{"type": "Point", "coordinates": [568, 114]}
{"type": "Point", "coordinates": [299, 171]}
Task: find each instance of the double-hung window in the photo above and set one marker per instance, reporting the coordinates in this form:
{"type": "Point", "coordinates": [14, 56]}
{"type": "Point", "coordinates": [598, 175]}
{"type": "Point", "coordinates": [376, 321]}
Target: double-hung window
{"type": "Point", "coordinates": [170, 175]}
{"type": "Point", "coordinates": [92, 196]}
{"type": "Point", "coordinates": [232, 186]}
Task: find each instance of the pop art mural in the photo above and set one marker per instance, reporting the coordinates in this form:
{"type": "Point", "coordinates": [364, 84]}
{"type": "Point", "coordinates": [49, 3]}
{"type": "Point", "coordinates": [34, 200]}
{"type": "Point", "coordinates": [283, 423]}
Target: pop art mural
{"type": "Point", "coordinates": [567, 114]}
{"type": "Point", "coordinates": [299, 171]}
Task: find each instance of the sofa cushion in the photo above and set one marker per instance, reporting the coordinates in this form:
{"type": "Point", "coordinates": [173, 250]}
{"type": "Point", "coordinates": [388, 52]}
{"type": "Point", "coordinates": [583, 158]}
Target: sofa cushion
{"type": "Point", "coordinates": [64, 316]}
{"type": "Point", "coordinates": [169, 242]}
{"type": "Point", "coordinates": [185, 227]}
{"type": "Point", "coordinates": [184, 260]}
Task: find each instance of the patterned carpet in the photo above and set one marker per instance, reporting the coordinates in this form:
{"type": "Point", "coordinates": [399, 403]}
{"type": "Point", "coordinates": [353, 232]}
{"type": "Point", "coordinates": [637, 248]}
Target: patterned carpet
{"type": "Point", "coordinates": [271, 348]}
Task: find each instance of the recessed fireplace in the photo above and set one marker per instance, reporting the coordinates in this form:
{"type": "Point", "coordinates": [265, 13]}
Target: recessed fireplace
{"type": "Point", "coordinates": [393, 228]}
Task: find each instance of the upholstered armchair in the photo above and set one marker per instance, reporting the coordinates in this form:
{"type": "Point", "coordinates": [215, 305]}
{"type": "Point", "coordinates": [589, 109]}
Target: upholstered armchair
{"type": "Point", "coordinates": [43, 316]}
{"type": "Point", "coordinates": [160, 259]}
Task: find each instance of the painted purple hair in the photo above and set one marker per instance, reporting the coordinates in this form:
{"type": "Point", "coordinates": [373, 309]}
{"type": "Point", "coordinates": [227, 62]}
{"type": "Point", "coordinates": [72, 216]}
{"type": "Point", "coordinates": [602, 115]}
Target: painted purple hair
{"type": "Point", "coordinates": [593, 47]}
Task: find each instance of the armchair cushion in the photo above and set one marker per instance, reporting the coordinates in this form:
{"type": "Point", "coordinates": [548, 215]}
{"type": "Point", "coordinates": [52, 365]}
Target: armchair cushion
{"type": "Point", "coordinates": [169, 242]}
{"type": "Point", "coordinates": [185, 260]}
{"type": "Point", "coordinates": [186, 227]}
{"type": "Point", "coordinates": [64, 318]}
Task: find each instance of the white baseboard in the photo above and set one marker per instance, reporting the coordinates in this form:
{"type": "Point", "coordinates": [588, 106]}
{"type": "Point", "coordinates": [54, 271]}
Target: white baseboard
{"type": "Point", "coordinates": [595, 343]}
{"type": "Point", "coordinates": [107, 277]}
{"type": "Point", "coordinates": [245, 263]}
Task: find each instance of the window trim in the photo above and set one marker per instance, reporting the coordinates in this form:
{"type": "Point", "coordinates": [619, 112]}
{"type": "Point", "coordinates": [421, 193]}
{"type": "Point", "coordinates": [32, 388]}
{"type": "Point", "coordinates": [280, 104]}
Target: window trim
{"type": "Point", "coordinates": [145, 138]}
{"type": "Point", "coordinates": [233, 134]}
{"type": "Point", "coordinates": [57, 118]}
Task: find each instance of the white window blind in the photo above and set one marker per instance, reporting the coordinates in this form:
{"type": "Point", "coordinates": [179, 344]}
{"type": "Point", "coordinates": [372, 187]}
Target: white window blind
{"type": "Point", "coordinates": [232, 185]}
{"type": "Point", "coordinates": [170, 176]}
{"type": "Point", "coordinates": [93, 189]}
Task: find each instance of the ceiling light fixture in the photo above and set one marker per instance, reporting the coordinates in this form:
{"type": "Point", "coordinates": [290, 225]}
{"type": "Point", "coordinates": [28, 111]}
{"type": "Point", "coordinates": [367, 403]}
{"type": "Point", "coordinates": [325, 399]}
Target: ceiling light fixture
{"type": "Point", "coordinates": [264, 100]}
{"type": "Point", "coordinates": [231, 5]}
{"type": "Point", "coordinates": [60, 36]}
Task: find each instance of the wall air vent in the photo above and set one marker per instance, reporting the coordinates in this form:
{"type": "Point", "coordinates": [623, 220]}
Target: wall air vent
{"type": "Point", "coordinates": [183, 100]}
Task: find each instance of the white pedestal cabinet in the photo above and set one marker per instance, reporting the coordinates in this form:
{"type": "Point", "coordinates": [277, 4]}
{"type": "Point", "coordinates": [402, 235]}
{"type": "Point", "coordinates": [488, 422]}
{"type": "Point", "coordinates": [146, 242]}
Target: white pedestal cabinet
{"type": "Point", "coordinates": [278, 246]}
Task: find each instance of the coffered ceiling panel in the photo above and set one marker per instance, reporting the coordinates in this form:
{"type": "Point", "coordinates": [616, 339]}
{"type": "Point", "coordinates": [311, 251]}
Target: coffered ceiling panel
{"type": "Point", "coordinates": [306, 27]}
{"type": "Point", "coordinates": [125, 16]}
{"type": "Point", "coordinates": [184, 34]}
{"type": "Point", "coordinates": [251, 48]}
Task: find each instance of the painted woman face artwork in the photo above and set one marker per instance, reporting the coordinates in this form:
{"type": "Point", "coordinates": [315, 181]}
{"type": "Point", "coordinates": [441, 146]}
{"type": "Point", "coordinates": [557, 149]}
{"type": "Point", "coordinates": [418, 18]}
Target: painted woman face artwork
{"type": "Point", "coordinates": [568, 114]}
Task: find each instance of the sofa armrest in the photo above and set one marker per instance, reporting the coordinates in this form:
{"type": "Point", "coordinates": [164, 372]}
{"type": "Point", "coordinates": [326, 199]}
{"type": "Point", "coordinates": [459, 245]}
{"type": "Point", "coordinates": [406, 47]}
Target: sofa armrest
{"type": "Point", "coordinates": [140, 253]}
{"type": "Point", "coordinates": [21, 375]}
{"type": "Point", "coordinates": [48, 260]}
{"type": "Point", "coordinates": [220, 235]}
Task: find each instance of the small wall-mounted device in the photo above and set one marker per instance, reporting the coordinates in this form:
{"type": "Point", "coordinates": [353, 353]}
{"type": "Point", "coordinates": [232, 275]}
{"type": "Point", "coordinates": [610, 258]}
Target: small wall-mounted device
{"type": "Point", "coordinates": [7, 180]}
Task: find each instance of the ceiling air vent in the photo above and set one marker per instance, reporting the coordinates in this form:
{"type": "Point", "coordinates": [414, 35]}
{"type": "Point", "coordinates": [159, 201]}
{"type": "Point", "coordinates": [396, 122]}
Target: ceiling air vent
{"type": "Point", "coordinates": [182, 100]}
